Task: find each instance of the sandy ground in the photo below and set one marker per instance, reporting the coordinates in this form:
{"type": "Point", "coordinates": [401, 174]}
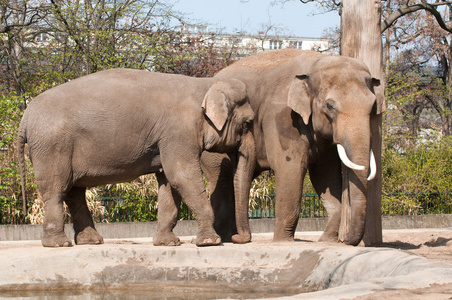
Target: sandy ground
{"type": "Point", "coordinates": [433, 244]}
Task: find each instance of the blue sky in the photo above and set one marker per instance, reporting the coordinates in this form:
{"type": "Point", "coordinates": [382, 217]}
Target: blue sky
{"type": "Point", "coordinates": [292, 18]}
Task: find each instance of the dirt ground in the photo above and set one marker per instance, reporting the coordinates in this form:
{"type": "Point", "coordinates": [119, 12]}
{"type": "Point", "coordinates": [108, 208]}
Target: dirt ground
{"type": "Point", "coordinates": [434, 244]}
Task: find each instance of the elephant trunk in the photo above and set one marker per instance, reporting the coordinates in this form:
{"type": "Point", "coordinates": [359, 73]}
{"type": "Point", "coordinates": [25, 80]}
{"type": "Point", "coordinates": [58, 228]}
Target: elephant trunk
{"type": "Point", "coordinates": [355, 189]}
{"type": "Point", "coordinates": [243, 175]}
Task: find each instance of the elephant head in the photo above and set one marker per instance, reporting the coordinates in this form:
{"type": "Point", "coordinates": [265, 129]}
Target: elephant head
{"type": "Point", "coordinates": [337, 99]}
{"type": "Point", "coordinates": [228, 115]}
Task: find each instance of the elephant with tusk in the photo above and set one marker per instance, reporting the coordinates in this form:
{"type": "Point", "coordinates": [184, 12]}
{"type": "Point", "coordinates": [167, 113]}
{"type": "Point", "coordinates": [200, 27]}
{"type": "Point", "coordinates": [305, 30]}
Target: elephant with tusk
{"type": "Point", "coordinates": [312, 112]}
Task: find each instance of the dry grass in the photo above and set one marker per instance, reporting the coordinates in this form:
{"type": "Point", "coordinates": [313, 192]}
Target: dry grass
{"type": "Point", "coordinates": [36, 212]}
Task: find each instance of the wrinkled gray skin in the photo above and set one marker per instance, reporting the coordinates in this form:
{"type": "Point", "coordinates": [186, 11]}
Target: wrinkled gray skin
{"type": "Point", "coordinates": [115, 125]}
{"type": "Point", "coordinates": [306, 104]}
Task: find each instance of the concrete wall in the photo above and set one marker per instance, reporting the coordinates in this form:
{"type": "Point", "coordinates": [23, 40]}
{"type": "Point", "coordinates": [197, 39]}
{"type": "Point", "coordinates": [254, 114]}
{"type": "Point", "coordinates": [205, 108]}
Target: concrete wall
{"type": "Point", "coordinates": [189, 228]}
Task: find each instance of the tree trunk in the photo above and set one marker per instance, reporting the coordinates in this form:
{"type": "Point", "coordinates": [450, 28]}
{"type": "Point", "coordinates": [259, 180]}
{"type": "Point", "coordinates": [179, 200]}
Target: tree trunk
{"type": "Point", "coordinates": [361, 39]}
{"type": "Point", "coordinates": [16, 46]}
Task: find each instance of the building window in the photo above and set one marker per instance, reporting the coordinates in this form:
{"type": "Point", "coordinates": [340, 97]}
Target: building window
{"type": "Point", "coordinates": [274, 44]}
{"type": "Point", "coordinates": [42, 37]}
{"type": "Point", "coordinates": [296, 44]}
{"type": "Point", "coordinates": [196, 29]}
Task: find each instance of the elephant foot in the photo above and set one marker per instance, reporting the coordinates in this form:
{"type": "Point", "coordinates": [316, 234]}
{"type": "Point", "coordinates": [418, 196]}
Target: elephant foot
{"type": "Point", "coordinates": [166, 239]}
{"type": "Point", "coordinates": [207, 240]}
{"type": "Point", "coordinates": [283, 238]}
{"type": "Point", "coordinates": [60, 240]}
{"type": "Point", "coordinates": [328, 238]}
{"type": "Point", "coordinates": [241, 238]}
{"type": "Point", "coordinates": [225, 236]}
{"type": "Point", "coordinates": [88, 236]}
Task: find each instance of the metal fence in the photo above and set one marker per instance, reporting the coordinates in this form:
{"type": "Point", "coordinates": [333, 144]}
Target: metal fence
{"type": "Point", "coordinates": [118, 209]}
{"type": "Point", "coordinates": [311, 207]}
{"type": "Point", "coordinates": [416, 203]}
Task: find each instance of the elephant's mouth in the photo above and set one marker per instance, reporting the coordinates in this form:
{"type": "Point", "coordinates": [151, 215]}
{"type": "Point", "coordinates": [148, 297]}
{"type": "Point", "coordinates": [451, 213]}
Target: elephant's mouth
{"type": "Point", "coordinates": [346, 161]}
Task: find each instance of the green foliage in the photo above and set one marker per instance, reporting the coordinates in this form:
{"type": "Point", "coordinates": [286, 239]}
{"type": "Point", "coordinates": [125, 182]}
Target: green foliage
{"type": "Point", "coordinates": [416, 181]}
{"type": "Point", "coordinates": [9, 181]}
{"type": "Point", "coordinates": [402, 116]}
{"type": "Point", "coordinates": [10, 191]}
{"type": "Point", "coordinates": [131, 208]}
{"type": "Point", "coordinates": [402, 88]}
{"type": "Point", "coordinates": [261, 190]}
{"type": "Point", "coordinates": [263, 187]}
{"type": "Point", "coordinates": [10, 115]}
{"type": "Point", "coordinates": [426, 168]}
{"type": "Point", "coordinates": [262, 198]}
{"type": "Point", "coordinates": [134, 201]}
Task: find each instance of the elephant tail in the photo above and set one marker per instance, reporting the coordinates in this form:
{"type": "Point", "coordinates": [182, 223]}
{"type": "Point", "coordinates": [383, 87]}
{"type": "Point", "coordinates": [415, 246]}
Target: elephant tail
{"type": "Point", "coordinates": [21, 140]}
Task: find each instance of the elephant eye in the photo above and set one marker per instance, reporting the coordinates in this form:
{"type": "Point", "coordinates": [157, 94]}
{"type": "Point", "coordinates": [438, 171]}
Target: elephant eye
{"type": "Point", "coordinates": [330, 109]}
{"type": "Point", "coordinates": [330, 105]}
{"type": "Point", "coordinates": [246, 126]}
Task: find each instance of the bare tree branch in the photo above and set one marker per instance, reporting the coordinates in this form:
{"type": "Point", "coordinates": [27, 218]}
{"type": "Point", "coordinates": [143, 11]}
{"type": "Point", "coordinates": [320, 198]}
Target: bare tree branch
{"type": "Point", "coordinates": [335, 2]}
{"type": "Point", "coordinates": [36, 16]}
{"type": "Point", "coordinates": [410, 8]}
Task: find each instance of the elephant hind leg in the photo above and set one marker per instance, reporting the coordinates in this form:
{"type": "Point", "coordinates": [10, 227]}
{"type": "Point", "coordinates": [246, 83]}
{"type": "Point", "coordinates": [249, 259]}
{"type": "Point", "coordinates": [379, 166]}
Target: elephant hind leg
{"type": "Point", "coordinates": [85, 232]}
{"type": "Point", "coordinates": [53, 175]}
{"type": "Point", "coordinates": [54, 235]}
{"type": "Point", "coordinates": [169, 203]}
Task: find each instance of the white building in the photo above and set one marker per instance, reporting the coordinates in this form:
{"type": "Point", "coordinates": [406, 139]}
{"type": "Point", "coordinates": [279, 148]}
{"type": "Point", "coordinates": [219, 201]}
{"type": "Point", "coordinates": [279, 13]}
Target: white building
{"type": "Point", "coordinates": [259, 42]}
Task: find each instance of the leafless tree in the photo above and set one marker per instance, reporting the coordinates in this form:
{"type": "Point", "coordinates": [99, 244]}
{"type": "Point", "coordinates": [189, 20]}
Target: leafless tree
{"type": "Point", "coordinates": [16, 18]}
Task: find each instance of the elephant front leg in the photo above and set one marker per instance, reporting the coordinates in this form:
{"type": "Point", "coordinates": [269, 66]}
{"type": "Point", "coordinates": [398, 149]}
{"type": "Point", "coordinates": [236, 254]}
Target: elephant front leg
{"type": "Point", "coordinates": [218, 170]}
{"type": "Point", "coordinates": [243, 175]}
{"type": "Point", "coordinates": [85, 232]}
{"type": "Point", "coordinates": [184, 175]}
{"type": "Point", "coordinates": [289, 185]}
{"type": "Point", "coordinates": [202, 210]}
{"type": "Point", "coordinates": [326, 178]}
{"type": "Point", "coordinates": [168, 211]}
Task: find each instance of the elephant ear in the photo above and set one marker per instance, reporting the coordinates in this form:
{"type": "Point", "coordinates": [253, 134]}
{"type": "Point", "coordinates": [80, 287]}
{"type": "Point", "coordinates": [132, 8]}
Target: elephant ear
{"type": "Point", "coordinates": [299, 99]}
{"type": "Point", "coordinates": [215, 107]}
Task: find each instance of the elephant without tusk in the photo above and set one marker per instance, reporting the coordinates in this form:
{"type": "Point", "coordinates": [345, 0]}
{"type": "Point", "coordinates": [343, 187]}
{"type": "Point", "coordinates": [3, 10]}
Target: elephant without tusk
{"type": "Point", "coordinates": [115, 125]}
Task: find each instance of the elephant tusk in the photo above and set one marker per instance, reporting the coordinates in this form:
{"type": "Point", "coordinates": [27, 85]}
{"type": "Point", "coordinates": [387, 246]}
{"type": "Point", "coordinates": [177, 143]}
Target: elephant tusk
{"type": "Point", "coordinates": [373, 166]}
{"type": "Point", "coordinates": [346, 161]}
